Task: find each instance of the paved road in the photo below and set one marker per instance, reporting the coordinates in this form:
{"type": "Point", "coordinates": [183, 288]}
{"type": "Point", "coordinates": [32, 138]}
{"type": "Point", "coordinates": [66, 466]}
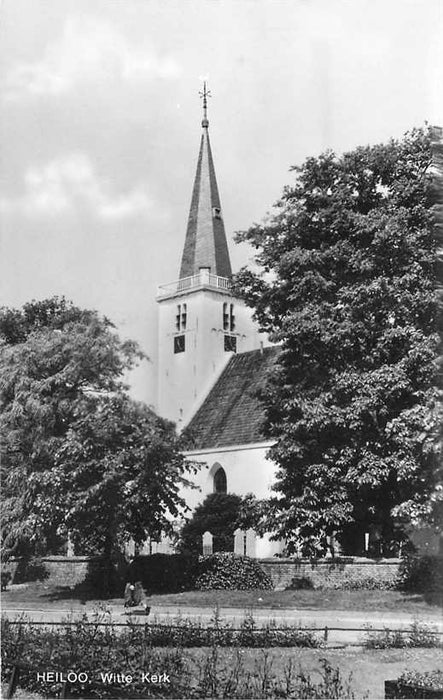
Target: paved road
{"type": "Point", "coordinates": [344, 627]}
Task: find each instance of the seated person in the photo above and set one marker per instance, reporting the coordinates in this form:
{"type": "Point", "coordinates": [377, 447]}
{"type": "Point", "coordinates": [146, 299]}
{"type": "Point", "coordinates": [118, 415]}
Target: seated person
{"type": "Point", "coordinates": [135, 596]}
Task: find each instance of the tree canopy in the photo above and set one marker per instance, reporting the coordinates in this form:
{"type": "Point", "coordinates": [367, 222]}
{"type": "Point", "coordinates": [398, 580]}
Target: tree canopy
{"type": "Point", "coordinates": [78, 454]}
{"type": "Point", "coordinates": [221, 514]}
{"type": "Point", "coordinates": [345, 281]}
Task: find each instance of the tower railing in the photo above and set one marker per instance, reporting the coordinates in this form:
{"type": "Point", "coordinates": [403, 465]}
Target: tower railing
{"type": "Point", "coordinates": [203, 279]}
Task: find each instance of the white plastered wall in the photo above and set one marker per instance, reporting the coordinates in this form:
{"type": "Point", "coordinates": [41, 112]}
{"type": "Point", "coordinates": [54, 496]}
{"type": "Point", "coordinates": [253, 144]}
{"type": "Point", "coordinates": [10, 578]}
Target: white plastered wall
{"type": "Point", "coordinates": [185, 378]}
{"type": "Point", "coordinates": [247, 471]}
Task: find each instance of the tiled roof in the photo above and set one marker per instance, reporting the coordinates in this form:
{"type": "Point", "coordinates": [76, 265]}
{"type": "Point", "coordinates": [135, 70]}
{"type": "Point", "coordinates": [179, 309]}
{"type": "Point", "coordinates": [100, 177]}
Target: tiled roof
{"type": "Point", "coordinates": [232, 413]}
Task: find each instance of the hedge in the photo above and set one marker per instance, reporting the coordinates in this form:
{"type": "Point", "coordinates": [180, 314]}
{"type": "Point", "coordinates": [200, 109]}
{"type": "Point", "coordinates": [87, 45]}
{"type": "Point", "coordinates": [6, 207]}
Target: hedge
{"type": "Point", "coordinates": [164, 573]}
{"type": "Point", "coordinates": [172, 573]}
{"type": "Point", "coordinates": [227, 571]}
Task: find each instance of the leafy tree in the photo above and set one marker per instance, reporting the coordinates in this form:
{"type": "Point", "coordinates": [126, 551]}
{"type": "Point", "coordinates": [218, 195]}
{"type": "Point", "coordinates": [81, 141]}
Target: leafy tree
{"type": "Point", "coordinates": [217, 514]}
{"type": "Point", "coordinates": [121, 468]}
{"type": "Point", "coordinates": [221, 514]}
{"type": "Point", "coordinates": [78, 454]}
{"type": "Point", "coordinates": [346, 284]}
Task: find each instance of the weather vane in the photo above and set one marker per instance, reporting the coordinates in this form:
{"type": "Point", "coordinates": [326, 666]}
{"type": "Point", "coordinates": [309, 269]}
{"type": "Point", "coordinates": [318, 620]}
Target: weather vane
{"type": "Point", "coordinates": [205, 94]}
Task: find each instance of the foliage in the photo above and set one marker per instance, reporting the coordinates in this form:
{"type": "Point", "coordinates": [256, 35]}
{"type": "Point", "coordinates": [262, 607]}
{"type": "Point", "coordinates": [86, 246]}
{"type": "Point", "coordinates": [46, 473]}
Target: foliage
{"type": "Point", "coordinates": [91, 649]}
{"type": "Point", "coordinates": [423, 635]}
{"type": "Point", "coordinates": [346, 284]}
{"type": "Point", "coordinates": [78, 455]}
{"type": "Point", "coordinates": [164, 573]}
{"type": "Point", "coordinates": [5, 577]}
{"type": "Point", "coordinates": [300, 583]}
{"type": "Point", "coordinates": [421, 574]}
{"type": "Point", "coordinates": [228, 571]}
{"type": "Point", "coordinates": [252, 514]}
{"type": "Point", "coordinates": [385, 639]}
{"type": "Point", "coordinates": [367, 583]}
{"type": "Point", "coordinates": [419, 634]}
{"type": "Point", "coordinates": [218, 514]}
{"type": "Point", "coordinates": [124, 468]}
{"type": "Point", "coordinates": [96, 646]}
{"type": "Point", "coordinates": [30, 568]}
{"type": "Point", "coordinates": [428, 679]}
{"type": "Point", "coordinates": [221, 514]}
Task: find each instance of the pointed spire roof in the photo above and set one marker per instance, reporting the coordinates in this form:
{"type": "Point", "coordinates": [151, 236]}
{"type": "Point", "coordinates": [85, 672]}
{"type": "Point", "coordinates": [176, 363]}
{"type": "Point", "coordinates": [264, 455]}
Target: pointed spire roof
{"type": "Point", "coordinates": [205, 243]}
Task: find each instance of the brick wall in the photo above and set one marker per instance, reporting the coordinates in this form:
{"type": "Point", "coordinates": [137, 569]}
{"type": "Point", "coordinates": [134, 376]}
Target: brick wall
{"type": "Point", "coordinates": [323, 573]}
{"type": "Point", "coordinates": [329, 573]}
{"type": "Point", "coordinates": [57, 570]}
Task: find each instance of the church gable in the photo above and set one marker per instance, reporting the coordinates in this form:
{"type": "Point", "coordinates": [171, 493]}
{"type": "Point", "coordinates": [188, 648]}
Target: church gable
{"type": "Point", "coordinates": [232, 413]}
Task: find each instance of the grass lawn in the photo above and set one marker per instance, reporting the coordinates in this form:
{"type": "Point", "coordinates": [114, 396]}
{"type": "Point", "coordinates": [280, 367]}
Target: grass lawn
{"type": "Point", "coordinates": [46, 596]}
{"type": "Point", "coordinates": [306, 599]}
{"type": "Point", "coordinates": [368, 669]}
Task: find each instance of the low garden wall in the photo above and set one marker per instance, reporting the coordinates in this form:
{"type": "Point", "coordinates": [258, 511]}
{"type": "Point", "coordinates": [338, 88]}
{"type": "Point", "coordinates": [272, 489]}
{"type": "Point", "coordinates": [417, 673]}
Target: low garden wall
{"type": "Point", "coordinates": [340, 572]}
{"type": "Point", "coordinates": [57, 570]}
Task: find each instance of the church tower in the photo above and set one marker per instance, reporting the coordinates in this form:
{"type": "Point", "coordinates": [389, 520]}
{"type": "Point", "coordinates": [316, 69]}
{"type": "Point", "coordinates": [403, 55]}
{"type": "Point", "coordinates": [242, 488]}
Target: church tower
{"type": "Point", "coordinates": [201, 324]}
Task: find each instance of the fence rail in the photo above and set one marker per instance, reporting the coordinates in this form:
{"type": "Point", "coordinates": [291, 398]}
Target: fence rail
{"type": "Point", "coordinates": [154, 625]}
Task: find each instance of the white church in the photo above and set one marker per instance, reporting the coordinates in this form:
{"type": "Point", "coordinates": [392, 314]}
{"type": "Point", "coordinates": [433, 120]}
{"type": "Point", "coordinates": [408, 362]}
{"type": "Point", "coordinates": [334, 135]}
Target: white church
{"type": "Point", "coordinates": [213, 361]}
{"type": "Point", "coordinates": [212, 358]}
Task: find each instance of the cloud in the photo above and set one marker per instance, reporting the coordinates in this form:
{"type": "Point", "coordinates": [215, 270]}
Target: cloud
{"type": "Point", "coordinates": [88, 51]}
{"type": "Point", "coordinates": [66, 184]}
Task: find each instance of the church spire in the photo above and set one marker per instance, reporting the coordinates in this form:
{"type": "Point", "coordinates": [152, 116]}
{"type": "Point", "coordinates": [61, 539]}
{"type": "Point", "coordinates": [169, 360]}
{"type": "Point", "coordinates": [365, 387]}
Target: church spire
{"type": "Point", "coordinates": [205, 243]}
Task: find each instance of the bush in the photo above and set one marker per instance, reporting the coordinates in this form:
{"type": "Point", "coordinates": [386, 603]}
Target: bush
{"type": "Point", "coordinates": [386, 639]}
{"type": "Point", "coordinates": [104, 578]}
{"type": "Point", "coordinates": [218, 514]}
{"type": "Point", "coordinates": [369, 583]}
{"type": "Point", "coordinates": [429, 679]}
{"type": "Point", "coordinates": [30, 569]}
{"type": "Point", "coordinates": [421, 574]}
{"type": "Point", "coordinates": [164, 573]}
{"type": "Point", "coordinates": [423, 635]}
{"type": "Point", "coordinates": [299, 583]}
{"type": "Point", "coordinates": [92, 649]}
{"type": "Point", "coordinates": [5, 578]}
{"type": "Point", "coordinates": [96, 649]}
{"type": "Point", "coordinates": [227, 571]}
{"type": "Point", "coordinates": [419, 634]}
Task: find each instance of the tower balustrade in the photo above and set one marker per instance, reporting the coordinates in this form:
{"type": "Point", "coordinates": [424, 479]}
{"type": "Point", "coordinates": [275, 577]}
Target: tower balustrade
{"type": "Point", "coordinates": [203, 280]}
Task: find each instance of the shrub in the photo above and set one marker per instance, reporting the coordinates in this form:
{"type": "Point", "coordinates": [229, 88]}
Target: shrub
{"type": "Point", "coordinates": [92, 649]}
{"type": "Point", "coordinates": [185, 633]}
{"type": "Point", "coordinates": [5, 578]}
{"type": "Point", "coordinates": [30, 569]}
{"type": "Point", "coordinates": [227, 571]}
{"type": "Point", "coordinates": [218, 514]}
{"type": "Point", "coordinates": [164, 573]}
{"type": "Point", "coordinates": [423, 635]}
{"type": "Point", "coordinates": [95, 651]}
{"type": "Point", "coordinates": [385, 639]}
{"type": "Point", "coordinates": [421, 574]}
{"type": "Point", "coordinates": [300, 583]}
{"type": "Point", "coordinates": [429, 679]}
{"type": "Point", "coordinates": [97, 648]}
{"type": "Point", "coordinates": [104, 578]}
{"type": "Point", "coordinates": [369, 583]}
{"type": "Point", "coordinates": [249, 635]}
{"type": "Point", "coordinates": [419, 634]}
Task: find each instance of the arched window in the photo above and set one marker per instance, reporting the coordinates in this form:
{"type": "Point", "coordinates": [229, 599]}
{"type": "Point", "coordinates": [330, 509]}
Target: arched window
{"type": "Point", "coordinates": [220, 485]}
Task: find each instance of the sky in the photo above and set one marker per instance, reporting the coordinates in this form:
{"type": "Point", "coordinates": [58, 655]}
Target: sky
{"type": "Point", "coordinates": [100, 128]}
